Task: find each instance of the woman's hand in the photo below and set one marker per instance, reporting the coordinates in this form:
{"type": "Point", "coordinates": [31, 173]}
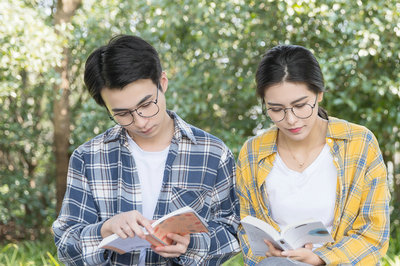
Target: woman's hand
{"type": "Point", "coordinates": [272, 252]}
{"type": "Point", "coordinates": [305, 254]}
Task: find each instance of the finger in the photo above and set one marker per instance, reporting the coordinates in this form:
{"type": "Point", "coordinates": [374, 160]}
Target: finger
{"type": "Point", "coordinates": [137, 229]}
{"type": "Point", "coordinates": [272, 250]}
{"type": "Point", "coordinates": [179, 239]}
{"type": "Point", "coordinates": [296, 254]}
{"type": "Point", "coordinates": [121, 233]}
{"type": "Point", "coordinates": [127, 230]}
{"type": "Point", "coordinates": [308, 246]}
{"type": "Point", "coordinates": [177, 248]}
{"type": "Point", "coordinates": [168, 251]}
{"type": "Point", "coordinates": [136, 220]}
{"type": "Point", "coordinates": [146, 224]}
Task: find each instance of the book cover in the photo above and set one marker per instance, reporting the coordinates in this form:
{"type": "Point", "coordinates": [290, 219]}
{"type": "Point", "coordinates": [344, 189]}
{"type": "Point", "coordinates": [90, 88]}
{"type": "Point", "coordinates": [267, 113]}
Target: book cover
{"type": "Point", "coordinates": [182, 221]}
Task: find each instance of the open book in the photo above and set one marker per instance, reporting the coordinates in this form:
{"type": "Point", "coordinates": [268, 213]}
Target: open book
{"type": "Point", "coordinates": [182, 221]}
{"type": "Point", "coordinates": [292, 237]}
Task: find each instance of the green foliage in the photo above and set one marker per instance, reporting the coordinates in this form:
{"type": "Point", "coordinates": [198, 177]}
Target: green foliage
{"type": "Point", "coordinates": [29, 253]}
{"type": "Point", "coordinates": [29, 51]}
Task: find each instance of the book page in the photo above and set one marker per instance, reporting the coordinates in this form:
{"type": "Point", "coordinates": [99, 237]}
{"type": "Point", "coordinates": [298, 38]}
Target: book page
{"type": "Point", "coordinates": [311, 232]}
{"type": "Point", "coordinates": [258, 230]}
{"type": "Point", "coordinates": [256, 238]}
{"type": "Point", "coordinates": [115, 243]}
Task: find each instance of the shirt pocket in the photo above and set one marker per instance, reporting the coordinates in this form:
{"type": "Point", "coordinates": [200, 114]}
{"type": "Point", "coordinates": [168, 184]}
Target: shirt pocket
{"type": "Point", "coordinates": [196, 199]}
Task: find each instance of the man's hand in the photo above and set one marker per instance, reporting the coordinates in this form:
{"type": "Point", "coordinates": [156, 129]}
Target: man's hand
{"type": "Point", "coordinates": [175, 250]}
{"type": "Point", "coordinates": [305, 254]}
{"type": "Point", "coordinates": [126, 224]}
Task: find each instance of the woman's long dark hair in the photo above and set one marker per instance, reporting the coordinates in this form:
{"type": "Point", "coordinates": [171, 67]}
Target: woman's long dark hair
{"type": "Point", "coordinates": [290, 63]}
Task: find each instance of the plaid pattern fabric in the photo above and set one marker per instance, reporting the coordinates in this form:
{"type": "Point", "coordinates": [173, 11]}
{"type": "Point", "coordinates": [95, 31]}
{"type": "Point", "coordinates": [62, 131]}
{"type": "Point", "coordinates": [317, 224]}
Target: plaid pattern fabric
{"type": "Point", "coordinates": [103, 181]}
{"type": "Point", "coordinates": [361, 218]}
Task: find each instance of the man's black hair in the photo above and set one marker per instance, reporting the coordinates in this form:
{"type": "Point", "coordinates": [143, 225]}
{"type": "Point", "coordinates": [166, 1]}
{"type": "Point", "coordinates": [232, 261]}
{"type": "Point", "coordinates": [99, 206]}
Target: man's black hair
{"type": "Point", "coordinates": [122, 61]}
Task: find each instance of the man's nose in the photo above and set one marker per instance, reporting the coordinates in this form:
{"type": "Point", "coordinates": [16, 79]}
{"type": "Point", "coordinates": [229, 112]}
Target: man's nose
{"type": "Point", "coordinates": [139, 120]}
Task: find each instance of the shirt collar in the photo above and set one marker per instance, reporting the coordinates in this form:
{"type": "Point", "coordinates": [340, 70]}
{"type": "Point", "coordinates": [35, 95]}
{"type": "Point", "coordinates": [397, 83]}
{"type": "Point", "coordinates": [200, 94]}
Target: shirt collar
{"type": "Point", "coordinates": [182, 129]}
{"type": "Point", "coordinates": [337, 129]}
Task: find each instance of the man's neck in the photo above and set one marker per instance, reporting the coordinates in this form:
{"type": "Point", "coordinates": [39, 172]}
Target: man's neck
{"type": "Point", "coordinates": [160, 141]}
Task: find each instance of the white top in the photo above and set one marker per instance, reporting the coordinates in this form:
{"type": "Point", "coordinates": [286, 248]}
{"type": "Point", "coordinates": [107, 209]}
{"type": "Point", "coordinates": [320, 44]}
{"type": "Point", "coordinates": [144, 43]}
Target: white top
{"type": "Point", "coordinates": [310, 195]}
{"type": "Point", "coordinates": [150, 167]}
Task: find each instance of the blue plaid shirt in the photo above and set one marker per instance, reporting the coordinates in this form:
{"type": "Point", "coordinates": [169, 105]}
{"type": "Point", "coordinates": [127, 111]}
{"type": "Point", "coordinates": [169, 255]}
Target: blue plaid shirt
{"type": "Point", "coordinates": [103, 181]}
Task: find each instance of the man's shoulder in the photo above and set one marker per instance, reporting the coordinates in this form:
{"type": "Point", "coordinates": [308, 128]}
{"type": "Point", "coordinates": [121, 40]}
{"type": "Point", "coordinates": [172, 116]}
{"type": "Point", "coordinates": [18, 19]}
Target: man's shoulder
{"type": "Point", "coordinates": [197, 135]}
{"type": "Point", "coordinates": [103, 141]}
{"type": "Point", "coordinates": [205, 138]}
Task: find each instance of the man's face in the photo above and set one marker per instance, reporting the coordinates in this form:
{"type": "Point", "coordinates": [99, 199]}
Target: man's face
{"type": "Point", "coordinates": [141, 101]}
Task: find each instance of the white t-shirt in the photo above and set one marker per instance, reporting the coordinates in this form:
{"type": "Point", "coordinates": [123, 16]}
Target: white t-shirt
{"type": "Point", "coordinates": [150, 167]}
{"type": "Point", "coordinates": [295, 197]}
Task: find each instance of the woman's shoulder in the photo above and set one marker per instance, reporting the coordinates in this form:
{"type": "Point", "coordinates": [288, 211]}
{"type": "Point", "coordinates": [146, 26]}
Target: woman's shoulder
{"type": "Point", "coordinates": [264, 142]}
{"type": "Point", "coordinates": [343, 129]}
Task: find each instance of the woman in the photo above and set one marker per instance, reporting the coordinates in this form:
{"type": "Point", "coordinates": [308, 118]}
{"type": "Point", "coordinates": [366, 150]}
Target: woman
{"type": "Point", "coordinates": [311, 166]}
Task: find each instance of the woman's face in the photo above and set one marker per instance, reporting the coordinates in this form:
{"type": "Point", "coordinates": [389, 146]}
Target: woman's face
{"type": "Point", "coordinates": [296, 104]}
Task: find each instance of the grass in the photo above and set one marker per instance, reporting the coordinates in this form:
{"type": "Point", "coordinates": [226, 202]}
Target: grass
{"type": "Point", "coordinates": [234, 261]}
{"type": "Point", "coordinates": [44, 253]}
{"type": "Point", "coordinates": [28, 253]}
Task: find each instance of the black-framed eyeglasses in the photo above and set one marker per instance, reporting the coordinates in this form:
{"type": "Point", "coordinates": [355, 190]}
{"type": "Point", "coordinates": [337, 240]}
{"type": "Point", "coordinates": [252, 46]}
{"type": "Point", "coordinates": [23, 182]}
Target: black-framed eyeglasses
{"type": "Point", "coordinates": [146, 110]}
{"type": "Point", "coordinates": [302, 111]}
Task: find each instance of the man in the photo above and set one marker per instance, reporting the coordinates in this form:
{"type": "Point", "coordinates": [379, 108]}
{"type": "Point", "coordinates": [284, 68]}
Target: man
{"type": "Point", "coordinates": [148, 165]}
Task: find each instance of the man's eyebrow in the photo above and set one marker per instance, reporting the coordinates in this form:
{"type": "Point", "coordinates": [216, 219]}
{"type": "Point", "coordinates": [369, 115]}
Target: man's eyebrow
{"type": "Point", "coordinates": [294, 102]}
{"type": "Point", "coordinates": [115, 110]}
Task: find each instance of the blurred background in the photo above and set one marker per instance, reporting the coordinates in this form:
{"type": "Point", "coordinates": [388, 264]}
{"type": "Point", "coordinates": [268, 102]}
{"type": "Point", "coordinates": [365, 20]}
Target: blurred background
{"type": "Point", "coordinates": [210, 51]}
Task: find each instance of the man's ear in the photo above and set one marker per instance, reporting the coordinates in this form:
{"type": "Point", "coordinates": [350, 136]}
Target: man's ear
{"type": "Point", "coordinates": [164, 81]}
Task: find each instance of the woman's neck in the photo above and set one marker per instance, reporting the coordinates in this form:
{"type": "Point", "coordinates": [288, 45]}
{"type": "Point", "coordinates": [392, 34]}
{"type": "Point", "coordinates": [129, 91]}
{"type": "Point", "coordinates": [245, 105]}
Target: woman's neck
{"type": "Point", "coordinates": [316, 137]}
{"type": "Point", "coordinates": [298, 155]}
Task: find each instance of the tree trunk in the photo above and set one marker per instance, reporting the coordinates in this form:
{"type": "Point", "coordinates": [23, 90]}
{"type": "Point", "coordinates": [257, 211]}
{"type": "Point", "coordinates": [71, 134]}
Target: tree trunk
{"type": "Point", "coordinates": [64, 13]}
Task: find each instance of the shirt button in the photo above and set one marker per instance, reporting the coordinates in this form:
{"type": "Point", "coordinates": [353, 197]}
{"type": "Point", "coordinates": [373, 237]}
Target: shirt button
{"type": "Point", "coordinates": [336, 159]}
{"type": "Point", "coordinates": [329, 140]}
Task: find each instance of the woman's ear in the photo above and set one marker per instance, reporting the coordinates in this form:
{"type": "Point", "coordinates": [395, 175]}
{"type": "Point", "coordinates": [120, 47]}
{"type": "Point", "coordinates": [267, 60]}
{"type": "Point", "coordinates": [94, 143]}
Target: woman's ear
{"type": "Point", "coordinates": [320, 96]}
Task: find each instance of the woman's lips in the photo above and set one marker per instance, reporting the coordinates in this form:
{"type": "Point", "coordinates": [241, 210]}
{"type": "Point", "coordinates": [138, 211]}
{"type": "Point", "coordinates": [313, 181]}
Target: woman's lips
{"type": "Point", "coordinates": [295, 130]}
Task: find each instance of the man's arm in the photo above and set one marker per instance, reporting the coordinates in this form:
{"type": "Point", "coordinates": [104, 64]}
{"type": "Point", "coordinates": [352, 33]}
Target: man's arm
{"type": "Point", "coordinates": [220, 243]}
{"type": "Point", "coordinates": [77, 230]}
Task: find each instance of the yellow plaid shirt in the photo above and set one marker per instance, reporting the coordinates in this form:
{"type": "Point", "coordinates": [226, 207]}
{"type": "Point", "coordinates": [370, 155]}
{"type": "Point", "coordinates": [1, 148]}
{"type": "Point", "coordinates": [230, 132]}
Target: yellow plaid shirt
{"type": "Point", "coordinates": [361, 216]}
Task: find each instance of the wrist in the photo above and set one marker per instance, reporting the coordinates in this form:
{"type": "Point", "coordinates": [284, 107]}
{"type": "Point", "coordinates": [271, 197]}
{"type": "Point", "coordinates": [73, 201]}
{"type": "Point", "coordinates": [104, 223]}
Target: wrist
{"type": "Point", "coordinates": [318, 261]}
{"type": "Point", "coordinates": [105, 229]}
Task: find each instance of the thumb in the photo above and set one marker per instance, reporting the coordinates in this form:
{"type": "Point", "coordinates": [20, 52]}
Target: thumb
{"type": "Point", "coordinates": [308, 246]}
